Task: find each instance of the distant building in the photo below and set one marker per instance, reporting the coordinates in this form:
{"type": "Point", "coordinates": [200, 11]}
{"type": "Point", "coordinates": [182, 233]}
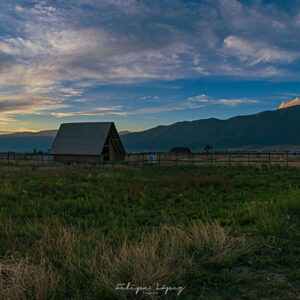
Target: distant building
{"type": "Point", "coordinates": [89, 142]}
{"type": "Point", "coordinates": [180, 150]}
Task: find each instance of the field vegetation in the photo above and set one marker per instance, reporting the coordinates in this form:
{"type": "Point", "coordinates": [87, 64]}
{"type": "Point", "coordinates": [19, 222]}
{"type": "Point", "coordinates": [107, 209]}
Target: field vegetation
{"type": "Point", "coordinates": [71, 232]}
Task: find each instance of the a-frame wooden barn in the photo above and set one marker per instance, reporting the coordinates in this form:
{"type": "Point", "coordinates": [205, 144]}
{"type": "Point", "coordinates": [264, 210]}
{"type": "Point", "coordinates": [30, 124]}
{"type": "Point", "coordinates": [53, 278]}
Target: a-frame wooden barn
{"type": "Point", "coordinates": [90, 142]}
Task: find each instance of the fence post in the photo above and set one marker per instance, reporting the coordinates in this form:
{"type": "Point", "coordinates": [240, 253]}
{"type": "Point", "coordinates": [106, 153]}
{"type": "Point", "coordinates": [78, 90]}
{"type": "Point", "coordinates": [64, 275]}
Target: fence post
{"type": "Point", "coordinates": [248, 158]}
{"type": "Point", "coordinates": [269, 158]}
{"type": "Point", "coordinates": [229, 159]}
{"type": "Point", "coordinates": [287, 158]}
{"type": "Point", "coordinates": [193, 158]}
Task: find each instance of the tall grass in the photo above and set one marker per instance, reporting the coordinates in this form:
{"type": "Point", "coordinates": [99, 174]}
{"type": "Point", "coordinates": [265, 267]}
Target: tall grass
{"type": "Point", "coordinates": [160, 256]}
{"type": "Point", "coordinates": [23, 280]}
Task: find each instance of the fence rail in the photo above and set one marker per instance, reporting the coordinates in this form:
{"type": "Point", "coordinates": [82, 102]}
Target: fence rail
{"type": "Point", "coordinates": [213, 158]}
{"type": "Point", "coordinates": [166, 158]}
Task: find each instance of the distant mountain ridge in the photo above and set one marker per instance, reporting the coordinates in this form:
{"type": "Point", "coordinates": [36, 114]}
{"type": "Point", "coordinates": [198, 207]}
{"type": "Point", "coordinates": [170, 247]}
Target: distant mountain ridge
{"type": "Point", "coordinates": [51, 133]}
{"type": "Point", "coordinates": [28, 141]}
{"type": "Point", "coordinates": [272, 129]}
{"type": "Point", "coordinates": [264, 129]}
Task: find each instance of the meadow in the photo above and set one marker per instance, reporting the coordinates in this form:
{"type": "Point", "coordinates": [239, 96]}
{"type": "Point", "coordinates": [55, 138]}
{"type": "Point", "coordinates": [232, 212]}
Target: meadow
{"type": "Point", "coordinates": [76, 232]}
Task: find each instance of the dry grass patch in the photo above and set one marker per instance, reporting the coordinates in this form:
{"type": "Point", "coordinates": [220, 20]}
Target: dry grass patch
{"type": "Point", "coordinates": [212, 241]}
{"type": "Point", "coordinates": [164, 254]}
{"type": "Point", "coordinates": [22, 280]}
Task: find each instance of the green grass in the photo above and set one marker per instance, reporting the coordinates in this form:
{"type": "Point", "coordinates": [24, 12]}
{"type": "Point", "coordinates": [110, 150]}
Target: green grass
{"type": "Point", "coordinates": [70, 232]}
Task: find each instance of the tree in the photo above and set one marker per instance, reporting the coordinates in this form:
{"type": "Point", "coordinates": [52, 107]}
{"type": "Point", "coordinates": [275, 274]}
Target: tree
{"type": "Point", "coordinates": [208, 148]}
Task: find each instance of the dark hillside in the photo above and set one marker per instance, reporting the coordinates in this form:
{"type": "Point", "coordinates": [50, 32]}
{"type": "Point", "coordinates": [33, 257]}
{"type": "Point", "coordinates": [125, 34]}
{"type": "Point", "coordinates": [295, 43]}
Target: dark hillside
{"type": "Point", "coordinates": [279, 127]}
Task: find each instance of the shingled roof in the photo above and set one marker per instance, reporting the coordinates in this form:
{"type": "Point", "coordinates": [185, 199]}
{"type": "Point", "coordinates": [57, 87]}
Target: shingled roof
{"type": "Point", "coordinates": [81, 138]}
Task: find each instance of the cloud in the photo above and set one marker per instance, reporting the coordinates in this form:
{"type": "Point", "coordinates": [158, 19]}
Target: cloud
{"type": "Point", "coordinates": [12, 105]}
{"type": "Point", "coordinates": [144, 49]}
{"type": "Point", "coordinates": [234, 102]}
{"type": "Point", "coordinates": [257, 52]}
{"type": "Point", "coordinates": [228, 102]}
{"type": "Point", "coordinates": [4, 120]}
{"type": "Point", "coordinates": [296, 101]}
{"type": "Point", "coordinates": [99, 111]}
{"type": "Point", "coordinates": [199, 98]}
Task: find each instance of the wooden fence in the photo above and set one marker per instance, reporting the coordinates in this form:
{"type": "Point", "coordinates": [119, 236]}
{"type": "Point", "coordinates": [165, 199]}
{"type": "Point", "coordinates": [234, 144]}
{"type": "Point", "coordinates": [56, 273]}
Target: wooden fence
{"type": "Point", "coordinates": [166, 158]}
{"type": "Point", "coordinates": [216, 158]}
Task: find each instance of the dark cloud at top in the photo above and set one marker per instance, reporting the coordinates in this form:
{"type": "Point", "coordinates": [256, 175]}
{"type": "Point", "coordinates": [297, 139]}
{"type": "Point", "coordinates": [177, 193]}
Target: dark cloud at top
{"type": "Point", "coordinates": [188, 34]}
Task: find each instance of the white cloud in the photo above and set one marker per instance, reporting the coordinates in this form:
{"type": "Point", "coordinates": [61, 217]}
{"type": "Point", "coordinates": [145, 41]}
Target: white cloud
{"type": "Point", "coordinates": [71, 92]}
{"type": "Point", "coordinates": [256, 52]}
{"type": "Point", "coordinates": [19, 8]}
{"type": "Point", "coordinates": [229, 102]}
{"type": "Point", "coordinates": [98, 111]}
{"type": "Point", "coordinates": [199, 98]}
{"type": "Point", "coordinates": [200, 70]}
{"type": "Point", "coordinates": [234, 102]}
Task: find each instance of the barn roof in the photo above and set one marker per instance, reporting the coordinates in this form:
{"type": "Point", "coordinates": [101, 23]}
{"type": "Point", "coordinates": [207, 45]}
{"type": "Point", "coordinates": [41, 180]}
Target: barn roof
{"type": "Point", "coordinates": [81, 138]}
{"type": "Point", "coordinates": [180, 150]}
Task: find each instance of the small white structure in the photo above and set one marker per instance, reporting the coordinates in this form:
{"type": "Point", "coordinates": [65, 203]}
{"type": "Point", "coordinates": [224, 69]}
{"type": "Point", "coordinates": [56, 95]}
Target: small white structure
{"type": "Point", "coordinates": [152, 159]}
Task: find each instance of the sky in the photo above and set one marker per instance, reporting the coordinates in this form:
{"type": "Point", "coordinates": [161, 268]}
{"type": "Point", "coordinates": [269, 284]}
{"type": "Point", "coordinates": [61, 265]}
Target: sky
{"type": "Point", "coordinates": [145, 63]}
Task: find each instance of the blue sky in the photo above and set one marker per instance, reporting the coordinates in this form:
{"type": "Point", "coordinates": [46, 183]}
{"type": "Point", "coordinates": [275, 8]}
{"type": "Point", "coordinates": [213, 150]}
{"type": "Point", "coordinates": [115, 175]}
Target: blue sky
{"type": "Point", "coordinates": [145, 63]}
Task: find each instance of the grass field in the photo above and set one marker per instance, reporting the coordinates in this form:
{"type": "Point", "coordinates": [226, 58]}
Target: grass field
{"type": "Point", "coordinates": [71, 232]}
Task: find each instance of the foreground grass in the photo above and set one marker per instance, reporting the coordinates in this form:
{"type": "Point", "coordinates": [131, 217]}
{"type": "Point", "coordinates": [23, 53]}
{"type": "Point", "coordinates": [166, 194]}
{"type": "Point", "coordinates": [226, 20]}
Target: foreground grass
{"type": "Point", "coordinates": [221, 233]}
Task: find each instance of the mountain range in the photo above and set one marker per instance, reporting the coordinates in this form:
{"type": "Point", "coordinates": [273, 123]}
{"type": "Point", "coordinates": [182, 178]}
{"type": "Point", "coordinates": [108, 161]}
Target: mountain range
{"type": "Point", "coordinates": [269, 129]}
{"type": "Point", "coordinates": [277, 129]}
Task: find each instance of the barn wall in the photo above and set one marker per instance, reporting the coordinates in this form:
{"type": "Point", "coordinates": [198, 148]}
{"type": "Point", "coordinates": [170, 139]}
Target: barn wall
{"type": "Point", "coordinates": [120, 157]}
{"type": "Point", "coordinates": [78, 158]}
{"type": "Point", "coordinates": [114, 152]}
